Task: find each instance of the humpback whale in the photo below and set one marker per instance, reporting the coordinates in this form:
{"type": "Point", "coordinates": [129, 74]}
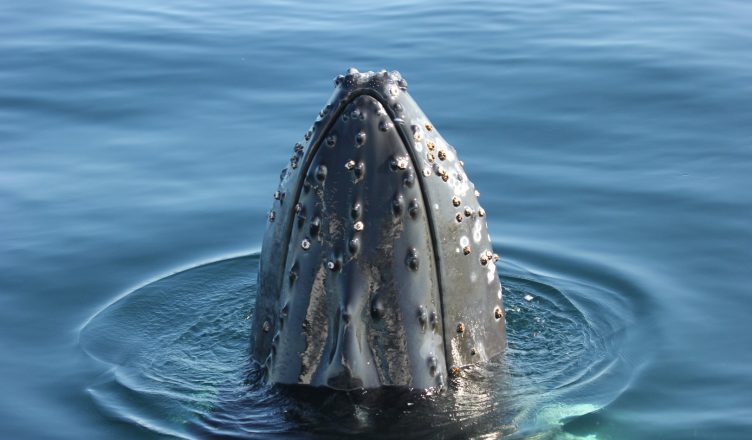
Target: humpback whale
{"type": "Point", "coordinates": [376, 266]}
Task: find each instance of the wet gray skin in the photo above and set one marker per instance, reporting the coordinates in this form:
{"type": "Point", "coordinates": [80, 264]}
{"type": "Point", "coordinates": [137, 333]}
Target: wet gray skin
{"type": "Point", "coordinates": [376, 266]}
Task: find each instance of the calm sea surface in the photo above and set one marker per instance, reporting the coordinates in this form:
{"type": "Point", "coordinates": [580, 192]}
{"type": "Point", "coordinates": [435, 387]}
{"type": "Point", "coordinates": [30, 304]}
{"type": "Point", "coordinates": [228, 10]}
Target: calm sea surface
{"type": "Point", "coordinates": [611, 143]}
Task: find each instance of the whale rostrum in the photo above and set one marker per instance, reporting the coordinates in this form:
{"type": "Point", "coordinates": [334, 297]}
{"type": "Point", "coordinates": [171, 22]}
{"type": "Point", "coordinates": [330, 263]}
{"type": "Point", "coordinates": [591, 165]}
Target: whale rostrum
{"type": "Point", "coordinates": [376, 266]}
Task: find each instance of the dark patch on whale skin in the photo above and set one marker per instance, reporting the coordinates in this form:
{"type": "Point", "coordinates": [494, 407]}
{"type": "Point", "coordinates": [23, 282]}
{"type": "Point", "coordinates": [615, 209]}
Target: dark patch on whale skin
{"type": "Point", "coordinates": [376, 267]}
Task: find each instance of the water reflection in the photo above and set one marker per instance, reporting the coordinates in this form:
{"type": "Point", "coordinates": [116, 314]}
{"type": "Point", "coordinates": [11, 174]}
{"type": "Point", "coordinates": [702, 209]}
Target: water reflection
{"type": "Point", "coordinates": [179, 353]}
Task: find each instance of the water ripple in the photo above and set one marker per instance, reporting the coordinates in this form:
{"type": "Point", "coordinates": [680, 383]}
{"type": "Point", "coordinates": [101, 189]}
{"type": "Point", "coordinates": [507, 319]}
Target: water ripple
{"type": "Point", "coordinates": [178, 350]}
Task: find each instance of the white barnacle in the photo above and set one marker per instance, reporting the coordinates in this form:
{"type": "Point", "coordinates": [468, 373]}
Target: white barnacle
{"type": "Point", "coordinates": [477, 229]}
{"type": "Point", "coordinates": [491, 273]}
{"type": "Point", "coordinates": [402, 162]}
{"type": "Point", "coordinates": [417, 132]}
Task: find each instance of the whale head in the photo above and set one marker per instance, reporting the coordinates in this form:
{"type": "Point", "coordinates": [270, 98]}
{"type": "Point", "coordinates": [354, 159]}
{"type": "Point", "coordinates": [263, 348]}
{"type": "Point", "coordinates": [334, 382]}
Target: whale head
{"type": "Point", "coordinates": [376, 266]}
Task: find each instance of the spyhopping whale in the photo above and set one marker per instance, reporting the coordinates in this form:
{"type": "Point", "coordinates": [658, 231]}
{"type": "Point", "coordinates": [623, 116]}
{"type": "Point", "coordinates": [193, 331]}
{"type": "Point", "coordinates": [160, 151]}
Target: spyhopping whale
{"type": "Point", "coordinates": [376, 266]}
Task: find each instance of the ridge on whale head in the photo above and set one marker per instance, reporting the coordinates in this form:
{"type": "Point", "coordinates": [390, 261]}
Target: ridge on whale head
{"type": "Point", "coordinates": [376, 266]}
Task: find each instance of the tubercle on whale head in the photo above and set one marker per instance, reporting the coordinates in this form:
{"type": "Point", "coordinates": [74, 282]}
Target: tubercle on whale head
{"type": "Point", "coordinates": [376, 267]}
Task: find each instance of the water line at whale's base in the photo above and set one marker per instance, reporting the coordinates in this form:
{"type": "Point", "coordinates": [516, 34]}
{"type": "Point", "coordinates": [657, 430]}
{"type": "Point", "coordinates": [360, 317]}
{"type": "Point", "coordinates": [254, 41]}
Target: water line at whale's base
{"type": "Point", "coordinates": [178, 352]}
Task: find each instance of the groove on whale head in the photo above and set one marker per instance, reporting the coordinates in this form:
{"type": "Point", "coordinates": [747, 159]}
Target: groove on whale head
{"type": "Point", "coordinates": [376, 267]}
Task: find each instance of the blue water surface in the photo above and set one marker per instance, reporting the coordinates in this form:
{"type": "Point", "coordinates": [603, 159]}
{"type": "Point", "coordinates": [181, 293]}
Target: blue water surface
{"type": "Point", "coordinates": [140, 145]}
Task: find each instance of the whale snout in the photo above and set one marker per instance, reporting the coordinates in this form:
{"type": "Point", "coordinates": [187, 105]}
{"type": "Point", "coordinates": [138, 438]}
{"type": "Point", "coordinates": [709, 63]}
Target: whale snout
{"type": "Point", "coordinates": [376, 268]}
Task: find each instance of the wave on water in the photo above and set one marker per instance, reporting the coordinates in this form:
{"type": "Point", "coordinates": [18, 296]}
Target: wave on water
{"type": "Point", "coordinates": [178, 352]}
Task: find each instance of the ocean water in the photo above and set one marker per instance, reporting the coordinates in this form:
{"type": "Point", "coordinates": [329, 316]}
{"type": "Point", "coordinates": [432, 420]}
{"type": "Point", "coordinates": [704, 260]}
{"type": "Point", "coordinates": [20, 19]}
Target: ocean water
{"type": "Point", "coordinates": [611, 143]}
